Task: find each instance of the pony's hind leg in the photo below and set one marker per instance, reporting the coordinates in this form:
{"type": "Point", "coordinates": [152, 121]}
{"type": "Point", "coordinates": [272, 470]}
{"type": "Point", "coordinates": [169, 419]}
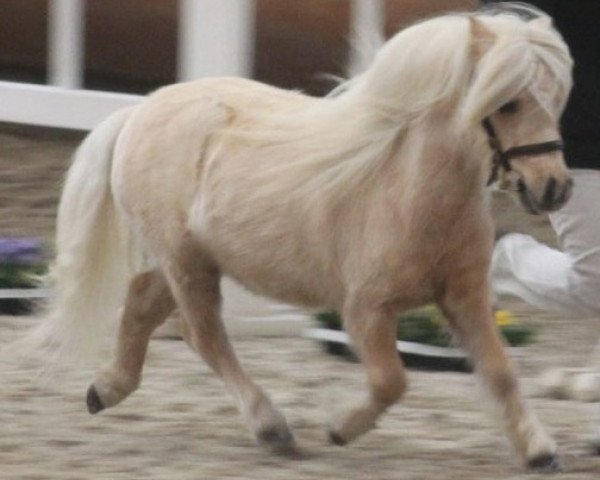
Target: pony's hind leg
{"type": "Point", "coordinates": [195, 283]}
{"type": "Point", "coordinates": [149, 302]}
{"type": "Point", "coordinates": [373, 334]}
{"type": "Point", "coordinates": [467, 307]}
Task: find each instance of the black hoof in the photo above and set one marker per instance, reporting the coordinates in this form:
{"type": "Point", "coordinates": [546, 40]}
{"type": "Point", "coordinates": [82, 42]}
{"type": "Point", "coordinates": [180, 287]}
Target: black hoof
{"type": "Point", "coordinates": [94, 404]}
{"type": "Point", "coordinates": [596, 447]}
{"type": "Point", "coordinates": [279, 441]}
{"type": "Point", "coordinates": [546, 462]}
{"type": "Point", "coordinates": [337, 439]}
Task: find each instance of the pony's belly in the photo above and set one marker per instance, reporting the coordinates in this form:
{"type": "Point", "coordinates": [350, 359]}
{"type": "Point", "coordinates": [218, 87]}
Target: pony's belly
{"type": "Point", "coordinates": [281, 279]}
{"type": "Point", "coordinates": [274, 267]}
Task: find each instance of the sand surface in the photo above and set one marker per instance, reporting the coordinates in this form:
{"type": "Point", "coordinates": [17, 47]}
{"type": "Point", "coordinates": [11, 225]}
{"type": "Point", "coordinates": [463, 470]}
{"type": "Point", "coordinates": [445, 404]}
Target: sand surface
{"type": "Point", "coordinates": [181, 424]}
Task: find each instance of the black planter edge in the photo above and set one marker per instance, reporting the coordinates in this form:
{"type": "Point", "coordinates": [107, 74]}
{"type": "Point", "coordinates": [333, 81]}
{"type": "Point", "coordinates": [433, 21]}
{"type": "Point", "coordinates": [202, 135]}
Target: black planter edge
{"type": "Point", "coordinates": [414, 355]}
{"type": "Point", "coordinates": [20, 301]}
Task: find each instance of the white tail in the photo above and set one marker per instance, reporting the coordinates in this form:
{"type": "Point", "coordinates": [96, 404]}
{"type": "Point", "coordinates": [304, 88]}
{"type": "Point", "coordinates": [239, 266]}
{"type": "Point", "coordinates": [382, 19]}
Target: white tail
{"type": "Point", "coordinates": [93, 264]}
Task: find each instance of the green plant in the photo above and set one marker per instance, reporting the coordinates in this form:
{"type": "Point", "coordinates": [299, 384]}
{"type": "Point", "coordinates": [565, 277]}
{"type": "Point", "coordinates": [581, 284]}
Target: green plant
{"type": "Point", "coordinates": [20, 262]}
{"type": "Point", "coordinates": [424, 325]}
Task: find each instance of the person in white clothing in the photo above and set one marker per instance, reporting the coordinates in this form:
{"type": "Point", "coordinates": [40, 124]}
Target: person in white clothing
{"type": "Point", "coordinates": [565, 281]}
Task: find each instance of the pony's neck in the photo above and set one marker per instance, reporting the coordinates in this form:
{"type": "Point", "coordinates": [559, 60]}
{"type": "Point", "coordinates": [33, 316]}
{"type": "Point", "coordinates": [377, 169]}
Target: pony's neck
{"type": "Point", "coordinates": [436, 160]}
{"type": "Point", "coordinates": [361, 149]}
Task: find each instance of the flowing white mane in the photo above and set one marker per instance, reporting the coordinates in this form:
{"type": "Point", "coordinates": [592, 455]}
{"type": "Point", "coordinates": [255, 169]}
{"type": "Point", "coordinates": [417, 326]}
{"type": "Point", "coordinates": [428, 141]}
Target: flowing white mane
{"type": "Point", "coordinates": [337, 140]}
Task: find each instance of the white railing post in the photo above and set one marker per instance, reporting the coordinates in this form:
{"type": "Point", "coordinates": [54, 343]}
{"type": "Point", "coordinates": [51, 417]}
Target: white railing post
{"type": "Point", "coordinates": [216, 38]}
{"type": "Point", "coordinates": [65, 43]}
{"type": "Point", "coordinates": [367, 33]}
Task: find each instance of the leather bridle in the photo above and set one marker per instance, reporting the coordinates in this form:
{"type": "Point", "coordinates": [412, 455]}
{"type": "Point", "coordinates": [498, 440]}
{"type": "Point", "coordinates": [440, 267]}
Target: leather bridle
{"type": "Point", "coordinates": [501, 158]}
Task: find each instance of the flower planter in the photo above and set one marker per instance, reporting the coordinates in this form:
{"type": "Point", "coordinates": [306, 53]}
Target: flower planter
{"type": "Point", "coordinates": [424, 340]}
{"type": "Point", "coordinates": [414, 355]}
{"type": "Point", "coordinates": [20, 263]}
{"type": "Point", "coordinates": [19, 301]}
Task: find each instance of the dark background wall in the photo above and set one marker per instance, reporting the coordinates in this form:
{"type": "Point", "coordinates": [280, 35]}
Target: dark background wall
{"type": "Point", "coordinates": [132, 45]}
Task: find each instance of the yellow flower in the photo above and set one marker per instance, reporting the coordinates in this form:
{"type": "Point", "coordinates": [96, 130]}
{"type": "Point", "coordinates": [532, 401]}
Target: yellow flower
{"type": "Point", "coordinates": [504, 318]}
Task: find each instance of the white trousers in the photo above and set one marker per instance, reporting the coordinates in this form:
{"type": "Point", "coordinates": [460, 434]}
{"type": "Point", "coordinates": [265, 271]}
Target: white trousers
{"type": "Point", "coordinates": [565, 281]}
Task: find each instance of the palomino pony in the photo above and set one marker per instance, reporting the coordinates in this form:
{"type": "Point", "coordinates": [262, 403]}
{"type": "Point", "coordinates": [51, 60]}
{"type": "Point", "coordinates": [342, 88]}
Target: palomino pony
{"type": "Point", "coordinates": [367, 202]}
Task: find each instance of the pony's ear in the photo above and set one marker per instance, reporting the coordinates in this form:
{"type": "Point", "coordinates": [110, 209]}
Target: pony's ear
{"type": "Point", "coordinates": [481, 38]}
{"type": "Point", "coordinates": [543, 21]}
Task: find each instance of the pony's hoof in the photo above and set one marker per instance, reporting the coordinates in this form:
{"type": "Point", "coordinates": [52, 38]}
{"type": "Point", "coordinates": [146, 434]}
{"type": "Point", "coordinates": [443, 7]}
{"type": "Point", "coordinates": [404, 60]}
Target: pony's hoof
{"type": "Point", "coordinates": [278, 440]}
{"type": "Point", "coordinates": [337, 439]}
{"type": "Point", "coordinates": [94, 404]}
{"type": "Point", "coordinates": [546, 462]}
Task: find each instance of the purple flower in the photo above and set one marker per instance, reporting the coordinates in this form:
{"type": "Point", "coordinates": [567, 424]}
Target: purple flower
{"type": "Point", "coordinates": [20, 250]}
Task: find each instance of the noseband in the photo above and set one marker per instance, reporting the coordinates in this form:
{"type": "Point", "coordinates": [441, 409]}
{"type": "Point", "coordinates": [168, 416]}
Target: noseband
{"type": "Point", "coordinates": [501, 158]}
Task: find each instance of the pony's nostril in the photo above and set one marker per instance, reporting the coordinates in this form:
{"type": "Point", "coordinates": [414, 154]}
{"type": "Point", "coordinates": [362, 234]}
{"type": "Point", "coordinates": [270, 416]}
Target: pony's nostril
{"type": "Point", "coordinates": [549, 192]}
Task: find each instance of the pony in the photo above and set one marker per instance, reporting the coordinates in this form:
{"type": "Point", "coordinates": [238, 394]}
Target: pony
{"type": "Point", "coordinates": [368, 202]}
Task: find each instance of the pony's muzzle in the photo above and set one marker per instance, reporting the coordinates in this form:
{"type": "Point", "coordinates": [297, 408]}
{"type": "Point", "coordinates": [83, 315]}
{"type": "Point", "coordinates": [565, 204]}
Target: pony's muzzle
{"type": "Point", "coordinates": [550, 196]}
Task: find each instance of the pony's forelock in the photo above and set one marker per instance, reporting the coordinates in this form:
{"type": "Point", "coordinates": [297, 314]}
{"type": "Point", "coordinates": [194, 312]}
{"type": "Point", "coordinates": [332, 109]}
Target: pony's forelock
{"type": "Point", "coordinates": [523, 49]}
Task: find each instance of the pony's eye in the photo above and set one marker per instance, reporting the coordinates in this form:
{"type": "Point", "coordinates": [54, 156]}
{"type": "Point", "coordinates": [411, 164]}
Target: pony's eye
{"type": "Point", "coordinates": [509, 108]}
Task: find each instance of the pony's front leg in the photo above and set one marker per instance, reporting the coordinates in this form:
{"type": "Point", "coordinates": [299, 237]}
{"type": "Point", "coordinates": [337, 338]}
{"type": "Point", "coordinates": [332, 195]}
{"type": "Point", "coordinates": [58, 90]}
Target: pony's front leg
{"type": "Point", "coordinates": [467, 307]}
{"type": "Point", "coordinates": [373, 334]}
{"type": "Point", "coordinates": [149, 302]}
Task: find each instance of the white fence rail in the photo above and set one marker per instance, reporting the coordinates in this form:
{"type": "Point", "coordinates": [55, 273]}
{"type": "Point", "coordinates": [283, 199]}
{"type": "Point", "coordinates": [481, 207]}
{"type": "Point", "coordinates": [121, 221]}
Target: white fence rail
{"type": "Point", "coordinates": [56, 107]}
{"type": "Point", "coordinates": [216, 37]}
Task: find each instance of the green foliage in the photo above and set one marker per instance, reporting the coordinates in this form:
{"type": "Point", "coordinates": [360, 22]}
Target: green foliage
{"type": "Point", "coordinates": [14, 275]}
{"type": "Point", "coordinates": [20, 261]}
{"type": "Point", "coordinates": [517, 334]}
{"type": "Point", "coordinates": [425, 325]}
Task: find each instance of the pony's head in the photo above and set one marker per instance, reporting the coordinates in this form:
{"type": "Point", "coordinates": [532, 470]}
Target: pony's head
{"type": "Point", "coordinates": [521, 82]}
{"type": "Point", "coordinates": [504, 75]}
